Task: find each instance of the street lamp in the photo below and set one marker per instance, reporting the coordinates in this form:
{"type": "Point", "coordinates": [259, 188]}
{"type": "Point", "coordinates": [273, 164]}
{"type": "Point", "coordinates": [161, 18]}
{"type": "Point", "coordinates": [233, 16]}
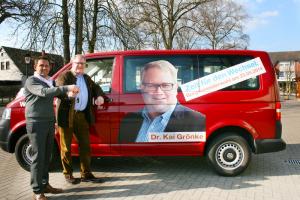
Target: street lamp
{"type": "Point", "coordinates": [27, 61]}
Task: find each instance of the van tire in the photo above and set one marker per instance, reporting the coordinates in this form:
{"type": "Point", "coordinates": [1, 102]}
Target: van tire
{"type": "Point", "coordinates": [229, 154]}
{"type": "Point", "coordinates": [23, 153]}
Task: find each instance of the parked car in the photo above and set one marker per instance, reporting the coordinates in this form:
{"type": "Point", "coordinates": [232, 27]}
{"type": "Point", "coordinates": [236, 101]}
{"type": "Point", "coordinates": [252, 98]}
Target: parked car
{"type": "Point", "coordinates": [242, 110]}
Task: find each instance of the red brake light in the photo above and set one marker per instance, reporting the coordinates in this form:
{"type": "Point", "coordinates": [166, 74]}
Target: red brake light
{"type": "Point", "coordinates": [278, 110]}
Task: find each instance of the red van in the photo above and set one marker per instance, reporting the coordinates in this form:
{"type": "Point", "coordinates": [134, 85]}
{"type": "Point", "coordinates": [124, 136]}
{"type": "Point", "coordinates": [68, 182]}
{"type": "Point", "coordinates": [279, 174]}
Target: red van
{"type": "Point", "coordinates": [232, 96]}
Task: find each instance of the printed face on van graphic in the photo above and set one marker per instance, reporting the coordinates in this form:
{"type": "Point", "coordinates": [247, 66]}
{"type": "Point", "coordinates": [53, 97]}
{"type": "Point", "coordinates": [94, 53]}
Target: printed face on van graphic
{"type": "Point", "coordinates": [159, 90]}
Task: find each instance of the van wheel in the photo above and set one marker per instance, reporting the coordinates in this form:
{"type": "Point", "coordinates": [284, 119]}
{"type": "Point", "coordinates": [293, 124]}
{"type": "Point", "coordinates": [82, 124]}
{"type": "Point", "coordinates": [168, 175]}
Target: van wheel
{"type": "Point", "coordinates": [229, 154]}
{"type": "Point", "coordinates": [23, 152]}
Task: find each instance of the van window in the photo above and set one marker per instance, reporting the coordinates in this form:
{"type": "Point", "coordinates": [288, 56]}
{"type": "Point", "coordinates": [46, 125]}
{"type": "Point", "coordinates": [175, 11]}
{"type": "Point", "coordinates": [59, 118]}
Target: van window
{"type": "Point", "coordinates": [186, 65]}
{"type": "Point", "coordinates": [189, 68]}
{"type": "Point", "coordinates": [100, 70]}
{"type": "Point", "coordinates": [212, 64]}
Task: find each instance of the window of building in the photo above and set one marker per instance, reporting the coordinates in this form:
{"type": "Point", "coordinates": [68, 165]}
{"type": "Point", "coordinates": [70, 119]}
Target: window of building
{"type": "Point", "coordinates": [7, 65]}
{"type": "Point", "coordinates": [2, 65]}
{"type": "Point", "coordinates": [286, 66]}
{"type": "Point", "coordinates": [281, 75]}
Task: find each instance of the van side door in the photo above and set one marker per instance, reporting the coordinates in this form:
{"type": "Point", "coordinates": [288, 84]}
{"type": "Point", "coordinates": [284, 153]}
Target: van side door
{"type": "Point", "coordinates": [101, 70]}
{"type": "Point", "coordinates": [133, 104]}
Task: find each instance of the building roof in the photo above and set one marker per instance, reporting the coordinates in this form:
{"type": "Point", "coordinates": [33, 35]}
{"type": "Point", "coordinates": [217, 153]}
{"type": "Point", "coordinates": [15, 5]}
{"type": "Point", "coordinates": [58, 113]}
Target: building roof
{"type": "Point", "coordinates": [18, 55]}
{"type": "Point", "coordinates": [284, 56]}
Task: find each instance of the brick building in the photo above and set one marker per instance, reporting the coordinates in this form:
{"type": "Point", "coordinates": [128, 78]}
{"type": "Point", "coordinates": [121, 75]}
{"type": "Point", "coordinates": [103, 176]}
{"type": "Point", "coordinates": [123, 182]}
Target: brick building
{"type": "Point", "coordinates": [287, 65]}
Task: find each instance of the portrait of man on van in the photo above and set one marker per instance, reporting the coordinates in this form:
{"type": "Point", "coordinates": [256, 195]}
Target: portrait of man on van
{"type": "Point", "coordinates": [163, 118]}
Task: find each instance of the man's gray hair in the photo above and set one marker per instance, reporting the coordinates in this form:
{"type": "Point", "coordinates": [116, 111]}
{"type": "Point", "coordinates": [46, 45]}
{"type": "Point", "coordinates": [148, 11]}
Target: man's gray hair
{"type": "Point", "coordinates": [76, 56]}
{"type": "Point", "coordinates": [163, 65]}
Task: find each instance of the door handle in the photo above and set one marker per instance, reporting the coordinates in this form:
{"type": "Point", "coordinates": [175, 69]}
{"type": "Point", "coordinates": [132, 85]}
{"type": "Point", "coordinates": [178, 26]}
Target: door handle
{"type": "Point", "coordinates": [109, 100]}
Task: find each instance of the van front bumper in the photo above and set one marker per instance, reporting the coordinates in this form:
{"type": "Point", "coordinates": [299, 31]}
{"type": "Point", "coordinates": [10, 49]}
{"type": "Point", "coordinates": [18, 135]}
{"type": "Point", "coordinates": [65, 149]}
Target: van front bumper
{"type": "Point", "coordinates": [4, 132]}
{"type": "Point", "coordinates": [269, 145]}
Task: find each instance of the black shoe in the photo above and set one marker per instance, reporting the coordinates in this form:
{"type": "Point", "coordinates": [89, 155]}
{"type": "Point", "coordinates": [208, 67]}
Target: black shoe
{"type": "Point", "coordinates": [89, 177]}
{"type": "Point", "coordinates": [70, 179]}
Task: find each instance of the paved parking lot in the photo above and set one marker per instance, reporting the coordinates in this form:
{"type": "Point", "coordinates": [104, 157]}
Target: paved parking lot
{"type": "Point", "coordinates": [269, 176]}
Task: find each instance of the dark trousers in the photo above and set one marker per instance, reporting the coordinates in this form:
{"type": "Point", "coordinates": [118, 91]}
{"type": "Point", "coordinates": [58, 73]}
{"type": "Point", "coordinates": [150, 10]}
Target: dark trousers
{"type": "Point", "coordinates": [81, 131]}
{"type": "Point", "coordinates": [41, 136]}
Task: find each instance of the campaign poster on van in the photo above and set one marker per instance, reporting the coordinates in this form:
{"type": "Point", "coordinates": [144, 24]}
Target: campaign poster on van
{"type": "Point", "coordinates": [162, 118]}
{"type": "Point", "coordinates": [222, 79]}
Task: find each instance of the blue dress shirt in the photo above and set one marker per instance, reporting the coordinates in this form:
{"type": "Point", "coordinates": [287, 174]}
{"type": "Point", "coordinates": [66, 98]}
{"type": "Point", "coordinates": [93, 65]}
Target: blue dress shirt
{"type": "Point", "coordinates": [81, 99]}
{"type": "Point", "coordinates": [158, 124]}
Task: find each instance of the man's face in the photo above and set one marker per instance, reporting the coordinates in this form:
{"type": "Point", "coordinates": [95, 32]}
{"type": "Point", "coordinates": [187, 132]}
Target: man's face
{"type": "Point", "coordinates": [159, 90]}
{"type": "Point", "coordinates": [42, 67]}
{"type": "Point", "coordinates": [78, 65]}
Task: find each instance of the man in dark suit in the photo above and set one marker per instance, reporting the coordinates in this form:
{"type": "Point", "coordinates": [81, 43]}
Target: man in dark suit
{"type": "Point", "coordinates": [162, 112]}
{"type": "Point", "coordinates": [75, 115]}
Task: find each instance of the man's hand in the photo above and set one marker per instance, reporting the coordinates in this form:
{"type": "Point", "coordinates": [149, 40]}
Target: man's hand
{"type": "Point", "coordinates": [71, 94]}
{"type": "Point", "coordinates": [99, 101]}
{"type": "Point", "coordinates": [73, 88]}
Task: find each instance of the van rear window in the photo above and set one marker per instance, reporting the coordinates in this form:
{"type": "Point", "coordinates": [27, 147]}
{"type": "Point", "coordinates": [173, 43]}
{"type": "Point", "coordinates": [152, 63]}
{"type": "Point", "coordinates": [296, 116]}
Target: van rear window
{"type": "Point", "coordinates": [212, 64]}
{"type": "Point", "coordinates": [190, 67]}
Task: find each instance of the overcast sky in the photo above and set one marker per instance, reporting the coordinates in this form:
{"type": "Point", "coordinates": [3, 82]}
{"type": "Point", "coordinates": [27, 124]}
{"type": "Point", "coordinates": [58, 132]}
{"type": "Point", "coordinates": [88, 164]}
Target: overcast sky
{"type": "Point", "coordinates": [274, 25]}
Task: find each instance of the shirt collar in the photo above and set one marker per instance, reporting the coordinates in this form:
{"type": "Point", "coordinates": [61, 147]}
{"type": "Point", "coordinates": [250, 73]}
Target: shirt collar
{"type": "Point", "coordinates": [47, 80]}
{"type": "Point", "coordinates": [164, 116]}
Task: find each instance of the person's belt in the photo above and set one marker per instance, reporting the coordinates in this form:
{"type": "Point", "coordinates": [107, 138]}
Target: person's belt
{"type": "Point", "coordinates": [79, 111]}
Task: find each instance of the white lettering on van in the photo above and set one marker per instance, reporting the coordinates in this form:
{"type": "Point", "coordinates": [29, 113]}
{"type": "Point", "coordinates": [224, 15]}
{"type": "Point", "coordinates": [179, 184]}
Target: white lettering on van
{"type": "Point", "coordinates": [222, 79]}
{"type": "Point", "coordinates": [22, 103]}
{"type": "Point", "coordinates": [177, 137]}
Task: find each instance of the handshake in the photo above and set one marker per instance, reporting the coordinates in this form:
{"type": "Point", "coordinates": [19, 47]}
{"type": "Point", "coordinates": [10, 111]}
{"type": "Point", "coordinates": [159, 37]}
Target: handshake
{"type": "Point", "coordinates": [73, 90]}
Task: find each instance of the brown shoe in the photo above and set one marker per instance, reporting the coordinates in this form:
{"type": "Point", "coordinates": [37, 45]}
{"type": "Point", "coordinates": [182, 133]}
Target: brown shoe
{"type": "Point", "coordinates": [70, 179]}
{"type": "Point", "coordinates": [52, 190]}
{"type": "Point", "coordinates": [41, 197]}
{"type": "Point", "coordinates": [89, 177]}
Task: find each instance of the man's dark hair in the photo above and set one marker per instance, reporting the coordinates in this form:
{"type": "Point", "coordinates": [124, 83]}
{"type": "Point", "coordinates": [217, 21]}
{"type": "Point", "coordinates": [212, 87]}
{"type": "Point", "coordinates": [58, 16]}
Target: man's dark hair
{"type": "Point", "coordinates": [42, 57]}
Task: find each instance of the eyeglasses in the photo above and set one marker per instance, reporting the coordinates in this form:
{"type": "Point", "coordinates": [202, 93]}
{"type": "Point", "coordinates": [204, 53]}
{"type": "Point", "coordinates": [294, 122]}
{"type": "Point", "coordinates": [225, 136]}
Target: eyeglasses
{"type": "Point", "coordinates": [153, 87]}
{"type": "Point", "coordinates": [80, 63]}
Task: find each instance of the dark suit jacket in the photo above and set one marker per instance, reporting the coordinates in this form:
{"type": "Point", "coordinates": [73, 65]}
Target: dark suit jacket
{"type": "Point", "coordinates": [65, 105]}
{"type": "Point", "coordinates": [182, 119]}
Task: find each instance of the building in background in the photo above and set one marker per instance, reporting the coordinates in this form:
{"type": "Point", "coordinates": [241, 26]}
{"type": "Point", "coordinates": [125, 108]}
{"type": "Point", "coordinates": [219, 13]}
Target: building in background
{"type": "Point", "coordinates": [287, 65]}
{"type": "Point", "coordinates": [14, 70]}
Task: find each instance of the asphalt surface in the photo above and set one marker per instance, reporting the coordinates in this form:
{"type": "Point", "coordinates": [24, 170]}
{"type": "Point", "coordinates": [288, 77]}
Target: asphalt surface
{"type": "Point", "coordinates": [273, 176]}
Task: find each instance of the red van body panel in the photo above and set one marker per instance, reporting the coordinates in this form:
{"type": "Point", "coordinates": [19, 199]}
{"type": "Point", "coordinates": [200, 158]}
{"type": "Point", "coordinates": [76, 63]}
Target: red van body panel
{"type": "Point", "coordinates": [251, 111]}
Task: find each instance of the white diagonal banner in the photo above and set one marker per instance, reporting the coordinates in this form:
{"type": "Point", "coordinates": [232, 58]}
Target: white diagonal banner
{"type": "Point", "coordinates": [222, 79]}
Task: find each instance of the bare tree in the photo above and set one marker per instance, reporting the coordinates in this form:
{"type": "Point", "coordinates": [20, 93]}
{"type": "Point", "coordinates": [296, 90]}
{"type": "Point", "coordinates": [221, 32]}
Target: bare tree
{"type": "Point", "coordinates": [188, 37]}
{"type": "Point", "coordinates": [39, 25]}
{"type": "Point", "coordinates": [130, 24]}
{"type": "Point", "coordinates": [96, 23]}
{"type": "Point", "coordinates": [15, 9]}
{"type": "Point", "coordinates": [66, 31]}
{"type": "Point", "coordinates": [47, 27]}
{"type": "Point", "coordinates": [79, 7]}
{"type": "Point", "coordinates": [161, 18]}
{"type": "Point", "coordinates": [223, 23]}
{"type": "Point", "coordinates": [150, 23]}
{"type": "Point", "coordinates": [91, 34]}
{"type": "Point", "coordinates": [122, 25]}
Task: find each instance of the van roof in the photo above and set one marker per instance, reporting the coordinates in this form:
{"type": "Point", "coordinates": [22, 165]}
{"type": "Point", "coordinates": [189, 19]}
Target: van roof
{"type": "Point", "coordinates": [166, 52]}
